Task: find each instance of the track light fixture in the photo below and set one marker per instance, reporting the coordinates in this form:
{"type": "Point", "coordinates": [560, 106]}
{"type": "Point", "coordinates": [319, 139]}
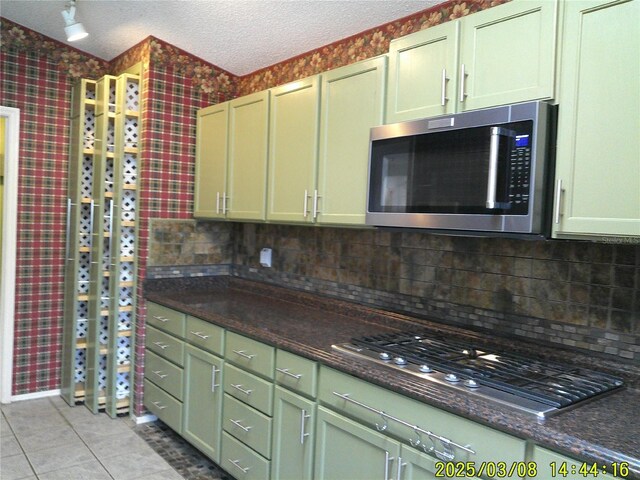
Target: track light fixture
{"type": "Point", "coordinates": [74, 29]}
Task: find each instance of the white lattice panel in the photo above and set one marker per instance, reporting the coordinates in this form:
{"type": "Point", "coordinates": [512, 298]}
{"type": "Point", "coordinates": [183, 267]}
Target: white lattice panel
{"type": "Point", "coordinates": [84, 237]}
{"type": "Point", "coordinates": [133, 95]}
{"type": "Point", "coordinates": [89, 135]}
{"type": "Point", "coordinates": [82, 310]}
{"type": "Point", "coordinates": [86, 182]}
{"type": "Point", "coordinates": [104, 330]}
{"type": "Point", "coordinates": [109, 176]}
{"type": "Point", "coordinates": [125, 321]}
{"type": "Point", "coordinates": [126, 271]}
{"type": "Point", "coordinates": [126, 296]}
{"type": "Point", "coordinates": [81, 366]}
{"type": "Point", "coordinates": [104, 294]}
{"type": "Point", "coordinates": [128, 205]}
{"type": "Point", "coordinates": [129, 169]}
{"type": "Point", "coordinates": [90, 92]}
{"type": "Point", "coordinates": [122, 385]}
{"type": "Point", "coordinates": [111, 136]}
{"type": "Point", "coordinates": [112, 96]}
{"type": "Point", "coordinates": [131, 132]}
{"type": "Point", "coordinates": [81, 328]}
{"type": "Point", "coordinates": [127, 242]}
{"type": "Point", "coordinates": [102, 373]}
{"type": "Point", "coordinates": [124, 350]}
{"type": "Point", "coordinates": [84, 268]}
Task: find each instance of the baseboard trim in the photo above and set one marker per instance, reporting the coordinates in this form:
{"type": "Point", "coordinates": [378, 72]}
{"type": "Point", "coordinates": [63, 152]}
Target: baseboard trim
{"type": "Point", "coordinates": [32, 396]}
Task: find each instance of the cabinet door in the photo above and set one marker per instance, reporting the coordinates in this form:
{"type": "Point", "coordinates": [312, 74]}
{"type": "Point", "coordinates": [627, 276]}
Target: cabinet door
{"type": "Point", "coordinates": [352, 103]}
{"type": "Point", "coordinates": [507, 54]}
{"type": "Point", "coordinates": [423, 68]}
{"type": "Point", "coordinates": [203, 401]}
{"type": "Point", "coordinates": [293, 142]}
{"type": "Point", "coordinates": [416, 465]}
{"type": "Point", "coordinates": [248, 136]}
{"type": "Point", "coordinates": [598, 156]}
{"type": "Point", "coordinates": [211, 161]}
{"type": "Point", "coordinates": [293, 436]}
{"type": "Point", "coordinates": [346, 449]}
{"type": "Point", "coordinates": [553, 465]}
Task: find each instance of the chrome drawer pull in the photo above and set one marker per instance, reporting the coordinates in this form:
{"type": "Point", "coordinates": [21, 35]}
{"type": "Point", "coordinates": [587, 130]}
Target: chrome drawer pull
{"type": "Point", "coordinates": [199, 334]}
{"type": "Point", "coordinates": [387, 460]}
{"type": "Point", "coordinates": [286, 371]}
{"type": "Point", "coordinates": [243, 354]}
{"type": "Point", "coordinates": [239, 425]}
{"type": "Point", "coordinates": [162, 319]}
{"type": "Point", "coordinates": [214, 371]}
{"type": "Point", "coordinates": [448, 454]}
{"type": "Point", "coordinates": [160, 374]}
{"type": "Point", "coordinates": [161, 345]}
{"type": "Point", "coordinates": [159, 405]}
{"type": "Point", "coordinates": [237, 464]}
{"type": "Point", "coordinates": [303, 417]}
{"type": "Point", "coordinates": [239, 387]}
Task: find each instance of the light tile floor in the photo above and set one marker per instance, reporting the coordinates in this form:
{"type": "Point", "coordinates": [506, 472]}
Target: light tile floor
{"type": "Point", "coordinates": [48, 440]}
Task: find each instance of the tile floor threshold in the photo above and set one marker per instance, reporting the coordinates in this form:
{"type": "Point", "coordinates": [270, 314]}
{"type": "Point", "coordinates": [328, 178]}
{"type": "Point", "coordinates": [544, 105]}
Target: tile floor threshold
{"type": "Point", "coordinates": [49, 440]}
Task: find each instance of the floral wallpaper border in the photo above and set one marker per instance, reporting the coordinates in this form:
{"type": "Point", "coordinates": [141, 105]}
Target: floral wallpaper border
{"type": "Point", "coordinates": [361, 46]}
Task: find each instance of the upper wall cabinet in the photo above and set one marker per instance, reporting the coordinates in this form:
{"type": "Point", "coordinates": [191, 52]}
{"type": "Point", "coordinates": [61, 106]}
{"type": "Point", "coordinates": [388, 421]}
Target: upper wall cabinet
{"type": "Point", "coordinates": [211, 161]}
{"type": "Point", "coordinates": [352, 103]}
{"type": "Point", "coordinates": [231, 159]}
{"type": "Point", "coordinates": [505, 54]}
{"type": "Point", "coordinates": [293, 142]}
{"type": "Point", "coordinates": [598, 156]}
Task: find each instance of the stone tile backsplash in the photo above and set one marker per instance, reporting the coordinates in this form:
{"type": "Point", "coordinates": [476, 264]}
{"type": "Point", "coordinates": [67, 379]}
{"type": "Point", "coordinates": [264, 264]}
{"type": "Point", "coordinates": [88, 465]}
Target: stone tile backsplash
{"type": "Point", "coordinates": [578, 294]}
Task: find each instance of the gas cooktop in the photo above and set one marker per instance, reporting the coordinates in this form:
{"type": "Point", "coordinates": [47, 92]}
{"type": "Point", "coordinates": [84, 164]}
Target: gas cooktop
{"type": "Point", "coordinates": [541, 388]}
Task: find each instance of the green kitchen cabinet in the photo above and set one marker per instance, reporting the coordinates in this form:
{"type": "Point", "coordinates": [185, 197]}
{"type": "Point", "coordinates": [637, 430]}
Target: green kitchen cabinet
{"type": "Point", "coordinates": [501, 55]}
{"type": "Point", "coordinates": [293, 436]}
{"type": "Point", "coordinates": [554, 465]}
{"type": "Point", "coordinates": [211, 161]}
{"type": "Point", "coordinates": [423, 68]}
{"type": "Point", "coordinates": [247, 165]}
{"type": "Point", "coordinates": [352, 103]}
{"type": "Point", "coordinates": [598, 155]}
{"type": "Point", "coordinates": [202, 410]}
{"type": "Point", "coordinates": [346, 449]}
{"type": "Point", "coordinates": [293, 150]}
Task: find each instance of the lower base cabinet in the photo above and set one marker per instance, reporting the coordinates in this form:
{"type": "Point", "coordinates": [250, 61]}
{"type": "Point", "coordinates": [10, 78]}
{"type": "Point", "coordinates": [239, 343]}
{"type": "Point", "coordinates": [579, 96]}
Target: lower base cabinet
{"type": "Point", "coordinates": [203, 401]}
{"type": "Point", "coordinates": [293, 436]}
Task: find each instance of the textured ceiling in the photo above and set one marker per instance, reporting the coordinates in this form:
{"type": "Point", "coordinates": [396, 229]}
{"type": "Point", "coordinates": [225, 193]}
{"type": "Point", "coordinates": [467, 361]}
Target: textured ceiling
{"type": "Point", "coordinates": [240, 36]}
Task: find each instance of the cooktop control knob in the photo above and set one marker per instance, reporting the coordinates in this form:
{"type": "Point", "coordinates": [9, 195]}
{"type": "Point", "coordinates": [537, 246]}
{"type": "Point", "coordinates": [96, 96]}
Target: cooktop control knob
{"type": "Point", "coordinates": [425, 369]}
{"type": "Point", "coordinates": [471, 383]}
{"type": "Point", "coordinates": [384, 356]}
{"type": "Point", "coordinates": [399, 361]}
{"type": "Point", "coordinates": [451, 377]}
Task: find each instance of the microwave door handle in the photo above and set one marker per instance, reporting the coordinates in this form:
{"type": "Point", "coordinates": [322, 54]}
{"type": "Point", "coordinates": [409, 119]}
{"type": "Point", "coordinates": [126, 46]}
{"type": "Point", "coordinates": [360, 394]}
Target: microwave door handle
{"type": "Point", "coordinates": [492, 180]}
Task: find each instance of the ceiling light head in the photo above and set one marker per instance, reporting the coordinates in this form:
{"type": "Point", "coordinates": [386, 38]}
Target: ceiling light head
{"type": "Point", "coordinates": [74, 29]}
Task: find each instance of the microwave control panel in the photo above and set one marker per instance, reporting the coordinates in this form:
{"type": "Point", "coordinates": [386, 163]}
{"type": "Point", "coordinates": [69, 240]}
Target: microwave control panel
{"type": "Point", "coordinates": [520, 175]}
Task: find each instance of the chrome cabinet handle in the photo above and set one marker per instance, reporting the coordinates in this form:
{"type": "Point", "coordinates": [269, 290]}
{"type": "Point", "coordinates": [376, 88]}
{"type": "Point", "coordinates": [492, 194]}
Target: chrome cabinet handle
{"type": "Point", "coordinates": [443, 92]}
{"type": "Point", "coordinates": [303, 417]}
{"type": "Point", "coordinates": [558, 201]}
{"type": "Point", "coordinates": [315, 204]}
{"type": "Point", "coordinates": [463, 76]}
{"type": "Point", "coordinates": [239, 388]}
{"type": "Point", "coordinates": [236, 463]}
{"type": "Point", "coordinates": [217, 202]}
{"type": "Point", "coordinates": [160, 374]}
{"type": "Point", "coordinates": [305, 204]}
{"type": "Point", "coordinates": [161, 345]}
{"type": "Point", "coordinates": [242, 353]}
{"type": "Point", "coordinates": [224, 203]}
{"type": "Point", "coordinates": [159, 405]}
{"type": "Point", "coordinates": [400, 467]}
{"type": "Point", "coordinates": [214, 371]}
{"type": "Point", "coordinates": [286, 371]}
{"type": "Point", "coordinates": [199, 334]}
{"type": "Point", "coordinates": [162, 319]}
{"type": "Point", "coordinates": [239, 425]}
{"type": "Point", "coordinates": [387, 460]}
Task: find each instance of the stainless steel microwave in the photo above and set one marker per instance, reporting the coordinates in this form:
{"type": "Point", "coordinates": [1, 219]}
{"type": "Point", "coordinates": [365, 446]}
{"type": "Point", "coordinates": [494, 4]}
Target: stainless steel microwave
{"type": "Point", "coordinates": [480, 172]}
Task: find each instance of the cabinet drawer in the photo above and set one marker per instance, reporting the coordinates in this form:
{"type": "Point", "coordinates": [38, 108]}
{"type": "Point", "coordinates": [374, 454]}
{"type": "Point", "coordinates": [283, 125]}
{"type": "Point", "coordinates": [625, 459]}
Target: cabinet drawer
{"type": "Point", "coordinates": [249, 389]}
{"type": "Point", "coordinates": [163, 405]}
{"type": "Point", "coordinates": [247, 425]}
{"type": "Point", "coordinates": [165, 345]}
{"type": "Point", "coordinates": [242, 462]}
{"type": "Point", "coordinates": [296, 373]}
{"type": "Point", "coordinates": [205, 335]}
{"type": "Point", "coordinates": [487, 443]}
{"type": "Point", "coordinates": [166, 319]}
{"type": "Point", "coordinates": [250, 354]}
{"type": "Point", "coordinates": [164, 374]}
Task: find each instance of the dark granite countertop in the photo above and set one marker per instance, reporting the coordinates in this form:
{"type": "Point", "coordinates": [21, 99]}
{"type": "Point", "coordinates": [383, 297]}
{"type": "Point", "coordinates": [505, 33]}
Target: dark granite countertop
{"type": "Point", "coordinates": [605, 430]}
